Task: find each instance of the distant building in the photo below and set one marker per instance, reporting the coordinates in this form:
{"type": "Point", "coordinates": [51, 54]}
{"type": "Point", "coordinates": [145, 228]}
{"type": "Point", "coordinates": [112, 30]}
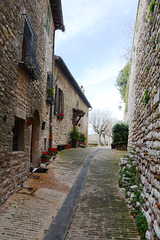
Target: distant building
{"type": "Point", "coordinates": [70, 101]}
{"type": "Point", "coordinates": [93, 140]}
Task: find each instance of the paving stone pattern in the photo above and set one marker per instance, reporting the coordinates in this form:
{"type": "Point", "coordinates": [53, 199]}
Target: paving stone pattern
{"type": "Point", "coordinates": [28, 216]}
{"type": "Point", "coordinates": [102, 212]}
{"type": "Point", "coordinates": [61, 222]}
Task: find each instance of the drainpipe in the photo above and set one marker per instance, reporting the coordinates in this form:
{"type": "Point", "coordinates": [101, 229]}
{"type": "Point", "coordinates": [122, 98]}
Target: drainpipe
{"type": "Point", "coordinates": [52, 102]}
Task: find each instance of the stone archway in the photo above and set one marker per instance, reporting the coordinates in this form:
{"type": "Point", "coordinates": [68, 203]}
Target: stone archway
{"type": "Point", "coordinates": [34, 156]}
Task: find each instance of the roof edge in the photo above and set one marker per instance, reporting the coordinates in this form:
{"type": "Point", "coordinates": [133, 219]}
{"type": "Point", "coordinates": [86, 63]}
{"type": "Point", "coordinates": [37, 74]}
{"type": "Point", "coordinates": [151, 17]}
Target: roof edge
{"type": "Point", "coordinates": [57, 14]}
{"type": "Point", "coordinates": [61, 64]}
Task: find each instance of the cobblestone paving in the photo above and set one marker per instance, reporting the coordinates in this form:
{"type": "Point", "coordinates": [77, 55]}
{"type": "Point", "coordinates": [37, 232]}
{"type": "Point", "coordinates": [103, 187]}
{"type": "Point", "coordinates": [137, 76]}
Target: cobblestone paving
{"type": "Point", "coordinates": [102, 212]}
{"type": "Point", "coordinates": [27, 215]}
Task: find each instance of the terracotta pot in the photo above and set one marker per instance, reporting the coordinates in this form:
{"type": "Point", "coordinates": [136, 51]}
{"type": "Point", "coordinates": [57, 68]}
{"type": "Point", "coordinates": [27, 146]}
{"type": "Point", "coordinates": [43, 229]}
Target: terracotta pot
{"type": "Point", "coordinates": [60, 119]}
{"type": "Point", "coordinates": [44, 160]}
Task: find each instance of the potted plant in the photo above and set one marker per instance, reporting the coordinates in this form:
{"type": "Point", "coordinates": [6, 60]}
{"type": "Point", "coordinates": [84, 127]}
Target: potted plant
{"type": "Point", "coordinates": [50, 93]}
{"type": "Point", "coordinates": [53, 151]}
{"type": "Point", "coordinates": [82, 137]}
{"type": "Point", "coordinates": [60, 116]}
{"type": "Point", "coordinates": [30, 120]}
{"type": "Point", "coordinates": [45, 157]}
{"type": "Point", "coordinates": [74, 136]}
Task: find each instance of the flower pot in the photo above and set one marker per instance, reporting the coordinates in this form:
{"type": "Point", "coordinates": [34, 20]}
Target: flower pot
{"type": "Point", "coordinates": [60, 119]}
{"type": "Point", "coordinates": [44, 160]}
{"type": "Point", "coordinates": [74, 143]}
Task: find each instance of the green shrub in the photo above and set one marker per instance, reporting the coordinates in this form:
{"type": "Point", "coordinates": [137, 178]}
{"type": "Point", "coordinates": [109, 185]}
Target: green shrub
{"type": "Point", "coordinates": [82, 137]}
{"type": "Point", "coordinates": [151, 8]}
{"type": "Point", "coordinates": [120, 134]}
{"type": "Point", "coordinates": [141, 222]}
{"type": "Point", "coordinates": [74, 134]}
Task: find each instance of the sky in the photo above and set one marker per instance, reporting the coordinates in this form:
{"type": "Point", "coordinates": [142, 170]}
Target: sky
{"type": "Point", "coordinates": [97, 32]}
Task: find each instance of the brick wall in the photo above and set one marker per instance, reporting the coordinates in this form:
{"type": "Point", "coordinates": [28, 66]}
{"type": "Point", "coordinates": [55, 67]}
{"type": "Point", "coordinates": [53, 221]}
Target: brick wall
{"type": "Point", "coordinates": [144, 108]}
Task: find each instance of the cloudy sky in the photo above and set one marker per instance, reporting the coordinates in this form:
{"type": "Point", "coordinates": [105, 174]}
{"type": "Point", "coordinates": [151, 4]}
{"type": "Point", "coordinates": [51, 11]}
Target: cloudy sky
{"type": "Point", "coordinates": [96, 34]}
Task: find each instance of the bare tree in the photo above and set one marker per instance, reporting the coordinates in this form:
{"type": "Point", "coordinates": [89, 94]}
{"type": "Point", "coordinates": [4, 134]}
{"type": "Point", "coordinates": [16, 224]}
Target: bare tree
{"type": "Point", "coordinates": [101, 122]}
{"type": "Point", "coordinates": [127, 34]}
{"type": "Point", "coordinates": [108, 132]}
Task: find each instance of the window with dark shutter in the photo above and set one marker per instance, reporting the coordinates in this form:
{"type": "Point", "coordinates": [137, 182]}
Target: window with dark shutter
{"type": "Point", "coordinates": [28, 62]}
{"type": "Point", "coordinates": [59, 101]}
{"type": "Point", "coordinates": [48, 20]}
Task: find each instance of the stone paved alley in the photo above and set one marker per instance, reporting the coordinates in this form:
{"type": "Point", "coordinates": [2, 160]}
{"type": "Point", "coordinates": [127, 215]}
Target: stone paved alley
{"type": "Point", "coordinates": [101, 212]}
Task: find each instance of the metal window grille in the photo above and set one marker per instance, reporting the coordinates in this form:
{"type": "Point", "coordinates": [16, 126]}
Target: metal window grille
{"type": "Point", "coordinates": [29, 63]}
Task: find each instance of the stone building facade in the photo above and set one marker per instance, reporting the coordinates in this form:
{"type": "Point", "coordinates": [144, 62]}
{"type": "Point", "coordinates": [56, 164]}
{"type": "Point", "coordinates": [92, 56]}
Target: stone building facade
{"type": "Point", "coordinates": [74, 104]}
{"type": "Point", "coordinates": [144, 108]}
{"type": "Point", "coordinates": [26, 63]}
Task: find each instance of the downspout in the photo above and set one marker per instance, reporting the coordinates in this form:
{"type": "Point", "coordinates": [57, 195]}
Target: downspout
{"type": "Point", "coordinates": [52, 102]}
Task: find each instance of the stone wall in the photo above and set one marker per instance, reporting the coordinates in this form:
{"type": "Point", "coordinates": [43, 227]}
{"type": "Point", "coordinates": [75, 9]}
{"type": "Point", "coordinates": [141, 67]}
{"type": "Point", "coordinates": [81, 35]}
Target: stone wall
{"type": "Point", "coordinates": [144, 108]}
{"type": "Point", "coordinates": [19, 96]}
{"type": "Point", "coordinates": [72, 100]}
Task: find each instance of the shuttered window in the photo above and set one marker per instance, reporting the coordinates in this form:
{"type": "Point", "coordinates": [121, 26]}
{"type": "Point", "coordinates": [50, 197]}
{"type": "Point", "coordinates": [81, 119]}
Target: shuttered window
{"type": "Point", "coordinates": [48, 20]}
{"type": "Point", "coordinates": [28, 62]}
{"type": "Point", "coordinates": [59, 101]}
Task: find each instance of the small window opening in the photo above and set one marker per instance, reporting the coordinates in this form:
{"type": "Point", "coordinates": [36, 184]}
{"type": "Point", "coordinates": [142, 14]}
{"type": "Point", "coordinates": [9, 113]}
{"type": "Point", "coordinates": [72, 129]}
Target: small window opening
{"type": "Point", "coordinates": [45, 143]}
{"type": "Point", "coordinates": [18, 135]}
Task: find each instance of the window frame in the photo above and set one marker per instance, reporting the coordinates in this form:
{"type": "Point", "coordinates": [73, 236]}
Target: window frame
{"type": "Point", "coordinates": [48, 19]}
{"type": "Point", "coordinates": [29, 48]}
{"type": "Point", "coordinates": [59, 101]}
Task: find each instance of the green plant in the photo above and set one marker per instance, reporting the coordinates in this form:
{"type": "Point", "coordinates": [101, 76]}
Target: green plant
{"type": "Point", "coordinates": [60, 116]}
{"type": "Point", "coordinates": [147, 69]}
{"type": "Point", "coordinates": [146, 97]}
{"type": "Point", "coordinates": [151, 18]}
{"type": "Point", "coordinates": [151, 7]}
{"type": "Point", "coordinates": [129, 173]}
{"type": "Point", "coordinates": [74, 134]}
{"type": "Point", "coordinates": [138, 197]}
{"type": "Point", "coordinates": [82, 137]}
{"type": "Point", "coordinates": [122, 79]}
{"type": "Point", "coordinates": [50, 92]}
{"type": "Point", "coordinates": [154, 46]}
{"type": "Point", "coordinates": [120, 134]}
{"type": "Point", "coordinates": [46, 155]}
{"type": "Point", "coordinates": [141, 222]}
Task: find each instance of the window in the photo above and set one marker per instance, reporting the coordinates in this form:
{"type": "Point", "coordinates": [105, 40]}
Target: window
{"type": "Point", "coordinates": [50, 90]}
{"type": "Point", "coordinates": [48, 20]}
{"type": "Point", "coordinates": [59, 101]}
{"type": "Point", "coordinates": [28, 62]}
{"type": "Point", "coordinates": [45, 144]}
{"type": "Point", "coordinates": [18, 135]}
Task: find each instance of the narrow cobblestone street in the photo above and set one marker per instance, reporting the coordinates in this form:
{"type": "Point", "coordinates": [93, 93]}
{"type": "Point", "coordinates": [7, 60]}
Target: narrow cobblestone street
{"type": "Point", "coordinates": [101, 212]}
{"type": "Point", "coordinates": [27, 215]}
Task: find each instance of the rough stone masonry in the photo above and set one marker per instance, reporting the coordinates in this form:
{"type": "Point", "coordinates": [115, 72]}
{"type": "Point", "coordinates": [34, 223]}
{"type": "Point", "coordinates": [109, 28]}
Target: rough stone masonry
{"type": "Point", "coordinates": [144, 108]}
